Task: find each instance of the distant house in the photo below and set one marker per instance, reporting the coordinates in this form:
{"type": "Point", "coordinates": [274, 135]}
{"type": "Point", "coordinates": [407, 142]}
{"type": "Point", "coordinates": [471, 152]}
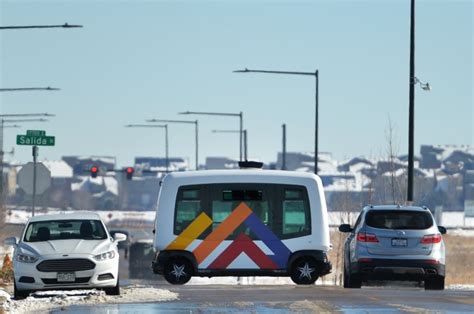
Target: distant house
{"type": "Point", "coordinates": [159, 163]}
{"type": "Point", "coordinates": [384, 166]}
{"type": "Point", "coordinates": [304, 161]}
{"type": "Point", "coordinates": [140, 194]}
{"type": "Point", "coordinates": [101, 193]}
{"type": "Point", "coordinates": [81, 165]}
{"type": "Point", "coordinates": [221, 163]}
{"type": "Point", "coordinates": [61, 180]}
{"type": "Point", "coordinates": [355, 163]}
{"type": "Point", "coordinates": [451, 157]}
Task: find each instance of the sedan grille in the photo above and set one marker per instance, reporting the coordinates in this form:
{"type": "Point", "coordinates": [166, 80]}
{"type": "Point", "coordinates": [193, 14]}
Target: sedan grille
{"type": "Point", "coordinates": [53, 281]}
{"type": "Point", "coordinates": [65, 265]}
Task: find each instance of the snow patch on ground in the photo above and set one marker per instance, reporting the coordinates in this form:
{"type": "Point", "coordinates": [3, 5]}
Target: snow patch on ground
{"type": "Point", "coordinates": [46, 300]}
{"type": "Point", "coordinates": [462, 232]}
{"type": "Point", "coordinates": [461, 287]}
{"type": "Point", "coordinates": [249, 281]}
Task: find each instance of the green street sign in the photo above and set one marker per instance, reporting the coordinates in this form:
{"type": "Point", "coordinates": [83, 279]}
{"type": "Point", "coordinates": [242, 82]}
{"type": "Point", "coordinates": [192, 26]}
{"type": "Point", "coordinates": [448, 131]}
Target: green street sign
{"type": "Point", "coordinates": [35, 133]}
{"type": "Point", "coordinates": [35, 140]}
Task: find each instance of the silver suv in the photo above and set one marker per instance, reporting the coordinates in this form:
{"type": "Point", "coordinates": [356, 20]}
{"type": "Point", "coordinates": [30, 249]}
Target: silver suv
{"type": "Point", "coordinates": [393, 242]}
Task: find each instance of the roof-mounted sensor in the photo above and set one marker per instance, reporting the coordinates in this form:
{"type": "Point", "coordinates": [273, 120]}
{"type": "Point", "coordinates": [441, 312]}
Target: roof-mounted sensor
{"type": "Point", "coordinates": [250, 164]}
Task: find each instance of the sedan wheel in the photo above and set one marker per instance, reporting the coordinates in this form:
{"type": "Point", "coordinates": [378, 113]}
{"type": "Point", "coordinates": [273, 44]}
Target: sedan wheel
{"type": "Point", "coordinates": [19, 294]}
{"type": "Point", "coordinates": [114, 290]}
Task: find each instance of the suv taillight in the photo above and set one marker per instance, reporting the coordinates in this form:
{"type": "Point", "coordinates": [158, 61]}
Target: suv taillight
{"type": "Point", "coordinates": [367, 237]}
{"type": "Point", "coordinates": [431, 239]}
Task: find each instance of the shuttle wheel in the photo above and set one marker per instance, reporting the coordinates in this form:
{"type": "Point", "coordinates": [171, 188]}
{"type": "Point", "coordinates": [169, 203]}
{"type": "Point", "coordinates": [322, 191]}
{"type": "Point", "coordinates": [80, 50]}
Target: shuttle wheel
{"type": "Point", "coordinates": [304, 271]}
{"type": "Point", "coordinates": [178, 270]}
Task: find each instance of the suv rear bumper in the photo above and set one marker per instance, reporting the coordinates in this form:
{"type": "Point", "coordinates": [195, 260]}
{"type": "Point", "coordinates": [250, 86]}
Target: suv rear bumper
{"type": "Point", "coordinates": [397, 269]}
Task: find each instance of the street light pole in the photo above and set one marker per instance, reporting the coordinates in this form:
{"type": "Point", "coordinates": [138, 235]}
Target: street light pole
{"type": "Point", "coordinates": [24, 89]}
{"type": "Point", "coordinates": [316, 123]}
{"type": "Point", "coordinates": [164, 126]}
{"type": "Point", "coordinates": [411, 114]}
{"type": "Point", "coordinates": [196, 130]}
{"type": "Point", "coordinates": [413, 80]}
{"type": "Point", "coordinates": [167, 149]}
{"type": "Point", "coordinates": [245, 145]}
{"type": "Point", "coordinates": [283, 157]}
{"type": "Point", "coordinates": [65, 25]}
{"type": "Point", "coordinates": [240, 115]}
{"type": "Point", "coordinates": [241, 128]}
{"type": "Point", "coordinates": [243, 133]}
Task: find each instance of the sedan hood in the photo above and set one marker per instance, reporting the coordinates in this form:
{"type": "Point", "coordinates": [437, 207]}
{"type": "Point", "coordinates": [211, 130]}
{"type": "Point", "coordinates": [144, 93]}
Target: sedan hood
{"type": "Point", "coordinates": [71, 246]}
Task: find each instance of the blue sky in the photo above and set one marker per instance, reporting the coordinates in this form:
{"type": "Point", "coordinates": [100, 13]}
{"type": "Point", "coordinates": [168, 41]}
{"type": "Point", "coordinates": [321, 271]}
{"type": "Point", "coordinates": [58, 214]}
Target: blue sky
{"type": "Point", "coordinates": [135, 60]}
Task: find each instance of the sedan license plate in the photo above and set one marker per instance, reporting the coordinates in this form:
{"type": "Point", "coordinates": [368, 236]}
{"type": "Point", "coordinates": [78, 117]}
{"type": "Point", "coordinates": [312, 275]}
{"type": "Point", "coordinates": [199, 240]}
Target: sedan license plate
{"type": "Point", "coordinates": [399, 242]}
{"type": "Point", "coordinates": [66, 277]}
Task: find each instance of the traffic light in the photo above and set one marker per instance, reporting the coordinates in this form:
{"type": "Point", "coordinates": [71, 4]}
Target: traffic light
{"type": "Point", "coordinates": [94, 171]}
{"type": "Point", "coordinates": [129, 172]}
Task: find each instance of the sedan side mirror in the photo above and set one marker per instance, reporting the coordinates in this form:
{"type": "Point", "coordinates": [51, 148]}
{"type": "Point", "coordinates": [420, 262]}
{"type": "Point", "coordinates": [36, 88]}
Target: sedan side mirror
{"type": "Point", "coordinates": [10, 241]}
{"type": "Point", "coordinates": [442, 230]}
{"type": "Point", "coordinates": [345, 228]}
{"type": "Point", "coordinates": [119, 237]}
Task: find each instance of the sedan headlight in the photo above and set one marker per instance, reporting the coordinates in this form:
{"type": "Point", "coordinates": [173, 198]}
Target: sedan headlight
{"type": "Point", "coordinates": [105, 256]}
{"type": "Point", "coordinates": [24, 258]}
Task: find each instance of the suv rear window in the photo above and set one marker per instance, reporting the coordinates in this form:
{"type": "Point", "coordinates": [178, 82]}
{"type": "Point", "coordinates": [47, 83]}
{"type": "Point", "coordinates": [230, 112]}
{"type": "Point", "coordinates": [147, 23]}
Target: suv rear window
{"type": "Point", "coordinates": [399, 219]}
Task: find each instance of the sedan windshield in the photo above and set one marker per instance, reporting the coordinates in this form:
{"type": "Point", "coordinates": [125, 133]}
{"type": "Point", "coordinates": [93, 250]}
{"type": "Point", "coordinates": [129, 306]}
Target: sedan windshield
{"type": "Point", "coordinates": [399, 219]}
{"type": "Point", "coordinates": [64, 230]}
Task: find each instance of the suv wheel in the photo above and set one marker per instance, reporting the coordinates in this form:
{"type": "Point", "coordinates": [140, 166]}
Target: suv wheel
{"type": "Point", "coordinates": [304, 271]}
{"type": "Point", "coordinates": [178, 270]}
{"type": "Point", "coordinates": [355, 282]}
{"type": "Point", "coordinates": [351, 280]}
{"type": "Point", "coordinates": [434, 283]}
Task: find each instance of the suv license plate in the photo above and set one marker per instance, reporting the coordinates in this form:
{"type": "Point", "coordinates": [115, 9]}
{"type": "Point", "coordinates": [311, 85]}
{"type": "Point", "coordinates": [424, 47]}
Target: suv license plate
{"type": "Point", "coordinates": [399, 242]}
{"type": "Point", "coordinates": [66, 277]}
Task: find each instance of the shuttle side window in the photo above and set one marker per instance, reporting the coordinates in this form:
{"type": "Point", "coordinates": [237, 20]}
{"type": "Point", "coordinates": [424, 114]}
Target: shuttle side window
{"type": "Point", "coordinates": [296, 213]}
{"type": "Point", "coordinates": [188, 207]}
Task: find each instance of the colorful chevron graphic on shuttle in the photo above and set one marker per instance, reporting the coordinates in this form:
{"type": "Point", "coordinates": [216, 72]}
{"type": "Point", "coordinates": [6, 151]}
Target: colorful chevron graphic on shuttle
{"type": "Point", "coordinates": [242, 214]}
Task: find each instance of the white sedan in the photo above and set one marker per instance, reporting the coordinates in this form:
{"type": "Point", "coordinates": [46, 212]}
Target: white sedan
{"type": "Point", "coordinates": [65, 251]}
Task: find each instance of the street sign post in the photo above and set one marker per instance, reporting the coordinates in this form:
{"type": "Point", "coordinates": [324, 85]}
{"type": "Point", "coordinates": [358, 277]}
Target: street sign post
{"type": "Point", "coordinates": [35, 138]}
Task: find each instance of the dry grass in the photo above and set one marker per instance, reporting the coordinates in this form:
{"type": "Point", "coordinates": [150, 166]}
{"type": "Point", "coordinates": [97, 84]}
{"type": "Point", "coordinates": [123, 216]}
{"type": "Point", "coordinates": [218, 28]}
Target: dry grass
{"type": "Point", "coordinates": [459, 259]}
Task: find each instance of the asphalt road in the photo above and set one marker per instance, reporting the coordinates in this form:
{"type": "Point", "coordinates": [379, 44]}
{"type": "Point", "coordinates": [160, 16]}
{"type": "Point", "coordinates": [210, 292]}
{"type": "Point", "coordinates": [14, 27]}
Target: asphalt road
{"type": "Point", "coordinates": [290, 298]}
{"type": "Point", "coordinates": [299, 299]}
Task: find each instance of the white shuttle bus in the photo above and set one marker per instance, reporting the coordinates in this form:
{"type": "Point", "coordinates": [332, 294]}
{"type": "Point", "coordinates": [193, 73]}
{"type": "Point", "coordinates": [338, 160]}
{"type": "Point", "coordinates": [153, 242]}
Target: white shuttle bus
{"type": "Point", "coordinates": [241, 223]}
